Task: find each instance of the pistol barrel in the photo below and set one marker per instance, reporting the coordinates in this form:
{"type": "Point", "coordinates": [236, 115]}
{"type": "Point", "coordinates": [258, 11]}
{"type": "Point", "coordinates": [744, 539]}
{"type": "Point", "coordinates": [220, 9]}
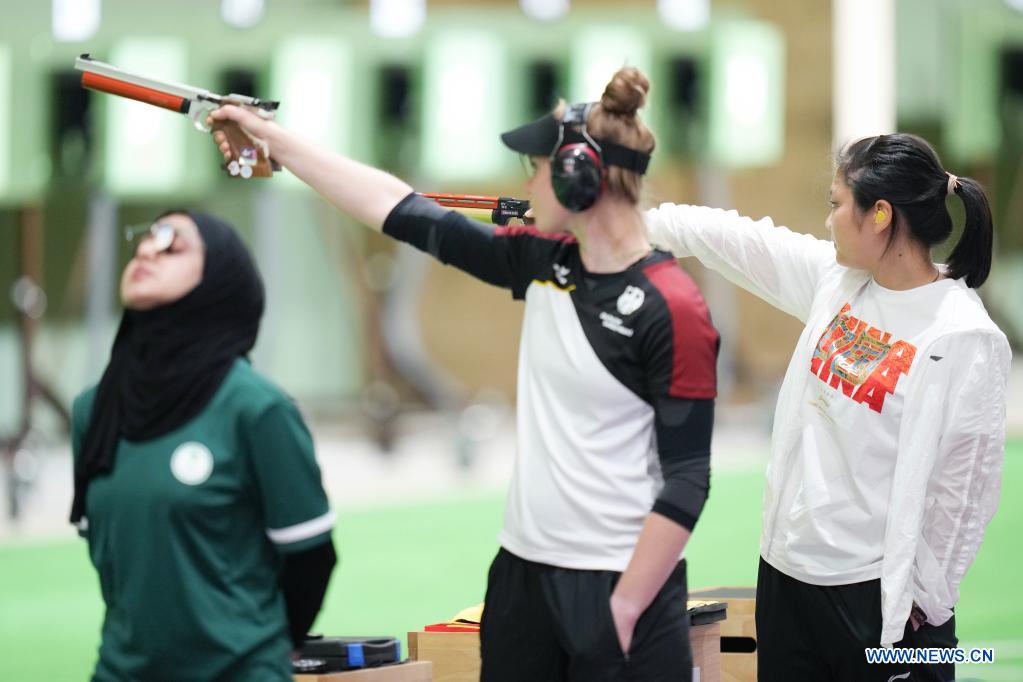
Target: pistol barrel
{"type": "Point", "coordinates": [97, 75]}
{"type": "Point", "coordinates": [113, 86]}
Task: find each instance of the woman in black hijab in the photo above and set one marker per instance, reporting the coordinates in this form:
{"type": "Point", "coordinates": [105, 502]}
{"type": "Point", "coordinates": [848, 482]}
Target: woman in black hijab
{"type": "Point", "coordinates": [195, 479]}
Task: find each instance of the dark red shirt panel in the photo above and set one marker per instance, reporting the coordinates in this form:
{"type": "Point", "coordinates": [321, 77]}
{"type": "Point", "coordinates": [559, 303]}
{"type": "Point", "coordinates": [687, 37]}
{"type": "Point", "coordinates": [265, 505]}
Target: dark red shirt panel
{"type": "Point", "coordinates": [694, 339]}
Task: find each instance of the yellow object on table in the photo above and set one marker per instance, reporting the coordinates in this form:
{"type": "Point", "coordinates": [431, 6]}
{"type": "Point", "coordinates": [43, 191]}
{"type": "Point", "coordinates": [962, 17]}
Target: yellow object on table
{"type": "Point", "coordinates": [472, 614]}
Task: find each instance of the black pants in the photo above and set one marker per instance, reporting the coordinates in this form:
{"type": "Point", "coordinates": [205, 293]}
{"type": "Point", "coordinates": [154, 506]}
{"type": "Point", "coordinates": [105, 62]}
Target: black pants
{"type": "Point", "coordinates": [809, 633]}
{"type": "Point", "coordinates": [546, 624]}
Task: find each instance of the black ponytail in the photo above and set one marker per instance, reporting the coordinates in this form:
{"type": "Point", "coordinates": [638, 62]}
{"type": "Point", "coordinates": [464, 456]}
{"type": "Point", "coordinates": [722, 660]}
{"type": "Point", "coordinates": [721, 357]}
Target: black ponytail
{"type": "Point", "coordinates": [972, 255]}
{"type": "Point", "coordinates": [906, 171]}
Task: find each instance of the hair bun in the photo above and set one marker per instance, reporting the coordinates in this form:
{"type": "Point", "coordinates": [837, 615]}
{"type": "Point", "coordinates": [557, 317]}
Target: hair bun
{"type": "Point", "coordinates": [626, 92]}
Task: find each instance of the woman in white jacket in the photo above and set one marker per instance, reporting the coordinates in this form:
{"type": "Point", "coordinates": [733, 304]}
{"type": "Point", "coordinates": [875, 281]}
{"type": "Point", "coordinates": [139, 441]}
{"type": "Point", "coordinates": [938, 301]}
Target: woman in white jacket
{"type": "Point", "coordinates": [889, 430]}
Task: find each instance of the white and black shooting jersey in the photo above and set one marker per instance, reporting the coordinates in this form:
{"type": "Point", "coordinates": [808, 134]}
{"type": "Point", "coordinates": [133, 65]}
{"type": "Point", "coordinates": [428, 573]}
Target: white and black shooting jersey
{"type": "Point", "coordinates": [616, 383]}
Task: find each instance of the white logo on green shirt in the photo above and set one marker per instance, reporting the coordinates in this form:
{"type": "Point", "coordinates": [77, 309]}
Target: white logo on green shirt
{"type": "Point", "coordinates": [192, 463]}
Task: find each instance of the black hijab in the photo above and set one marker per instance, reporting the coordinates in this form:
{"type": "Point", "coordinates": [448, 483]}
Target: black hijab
{"type": "Point", "coordinates": [168, 362]}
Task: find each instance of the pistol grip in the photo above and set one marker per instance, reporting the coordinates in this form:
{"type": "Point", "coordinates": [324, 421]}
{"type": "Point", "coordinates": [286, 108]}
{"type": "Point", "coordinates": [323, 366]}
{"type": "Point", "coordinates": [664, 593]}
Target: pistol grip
{"type": "Point", "coordinates": [248, 160]}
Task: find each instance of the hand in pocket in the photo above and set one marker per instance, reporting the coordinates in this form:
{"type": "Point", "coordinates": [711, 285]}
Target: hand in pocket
{"type": "Point", "coordinates": [624, 617]}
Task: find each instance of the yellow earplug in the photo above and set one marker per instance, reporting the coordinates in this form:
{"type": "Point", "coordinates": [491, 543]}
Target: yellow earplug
{"type": "Point", "coordinates": [879, 217]}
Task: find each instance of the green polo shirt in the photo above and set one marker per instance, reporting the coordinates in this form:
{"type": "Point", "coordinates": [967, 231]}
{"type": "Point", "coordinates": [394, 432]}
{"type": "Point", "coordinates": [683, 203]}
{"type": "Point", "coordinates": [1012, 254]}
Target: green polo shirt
{"type": "Point", "coordinates": [187, 534]}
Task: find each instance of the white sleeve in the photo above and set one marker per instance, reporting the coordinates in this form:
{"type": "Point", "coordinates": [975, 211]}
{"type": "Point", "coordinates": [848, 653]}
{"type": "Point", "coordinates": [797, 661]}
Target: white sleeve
{"type": "Point", "coordinates": [963, 488]}
{"type": "Point", "coordinates": [780, 266]}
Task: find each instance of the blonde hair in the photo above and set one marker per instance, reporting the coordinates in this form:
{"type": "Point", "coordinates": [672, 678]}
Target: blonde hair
{"type": "Point", "coordinates": [614, 118]}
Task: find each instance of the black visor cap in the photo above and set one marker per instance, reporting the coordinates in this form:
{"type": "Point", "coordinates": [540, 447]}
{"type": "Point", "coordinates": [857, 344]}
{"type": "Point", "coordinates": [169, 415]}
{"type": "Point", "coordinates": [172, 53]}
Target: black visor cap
{"type": "Point", "coordinates": [534, 139]}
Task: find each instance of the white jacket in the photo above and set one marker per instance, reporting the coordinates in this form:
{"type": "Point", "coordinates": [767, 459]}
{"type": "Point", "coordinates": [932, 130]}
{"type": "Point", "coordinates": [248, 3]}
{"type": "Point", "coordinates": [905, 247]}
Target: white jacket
{"type": "Point", "coordinates": [951, 441]}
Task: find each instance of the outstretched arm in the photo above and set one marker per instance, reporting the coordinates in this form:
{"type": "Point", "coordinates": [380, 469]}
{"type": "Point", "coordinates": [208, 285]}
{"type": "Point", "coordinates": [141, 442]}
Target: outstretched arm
{"type": "Point", "coordinates": [780, 266]}
{"type": "Point", "coordinates": [367, 194]}
{"type": "Point", "coordinates": [386, 204]}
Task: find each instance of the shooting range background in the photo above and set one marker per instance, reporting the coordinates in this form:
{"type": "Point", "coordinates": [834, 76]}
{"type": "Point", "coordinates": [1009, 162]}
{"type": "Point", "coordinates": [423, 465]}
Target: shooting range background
{"type": "Point", "coordinates": [415, 546]}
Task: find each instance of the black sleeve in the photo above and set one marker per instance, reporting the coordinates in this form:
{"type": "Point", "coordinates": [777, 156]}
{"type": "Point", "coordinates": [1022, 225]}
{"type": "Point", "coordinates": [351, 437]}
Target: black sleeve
{"type": "Point", "coordinates": [500, 256]}
{"type": "Point", "coordinates": [683, 429]}
{"type": "Point", "coordinates": [304, 579]}
{"type": "Point", "coordinates": [680, 350]}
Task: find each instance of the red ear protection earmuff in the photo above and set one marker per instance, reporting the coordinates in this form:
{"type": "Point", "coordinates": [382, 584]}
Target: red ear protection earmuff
{"type": "Point", "coordinates": [577, 171]}
{"type": "Point", "coordinates": [579, 161]}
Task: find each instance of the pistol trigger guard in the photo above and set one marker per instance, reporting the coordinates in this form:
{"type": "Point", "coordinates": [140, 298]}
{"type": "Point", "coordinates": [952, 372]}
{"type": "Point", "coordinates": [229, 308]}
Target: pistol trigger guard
{"type": "Point", "coordinates": [198, 113]}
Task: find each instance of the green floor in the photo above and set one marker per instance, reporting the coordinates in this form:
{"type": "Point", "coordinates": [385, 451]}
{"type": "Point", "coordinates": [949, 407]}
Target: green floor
{"type": "Point", "coordinates": [404, 567]}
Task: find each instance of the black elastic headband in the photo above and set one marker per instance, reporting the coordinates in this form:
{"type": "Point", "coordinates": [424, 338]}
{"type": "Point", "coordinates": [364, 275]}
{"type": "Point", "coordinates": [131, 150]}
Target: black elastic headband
{"type": "Point", "coordinates": [614, 154]}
